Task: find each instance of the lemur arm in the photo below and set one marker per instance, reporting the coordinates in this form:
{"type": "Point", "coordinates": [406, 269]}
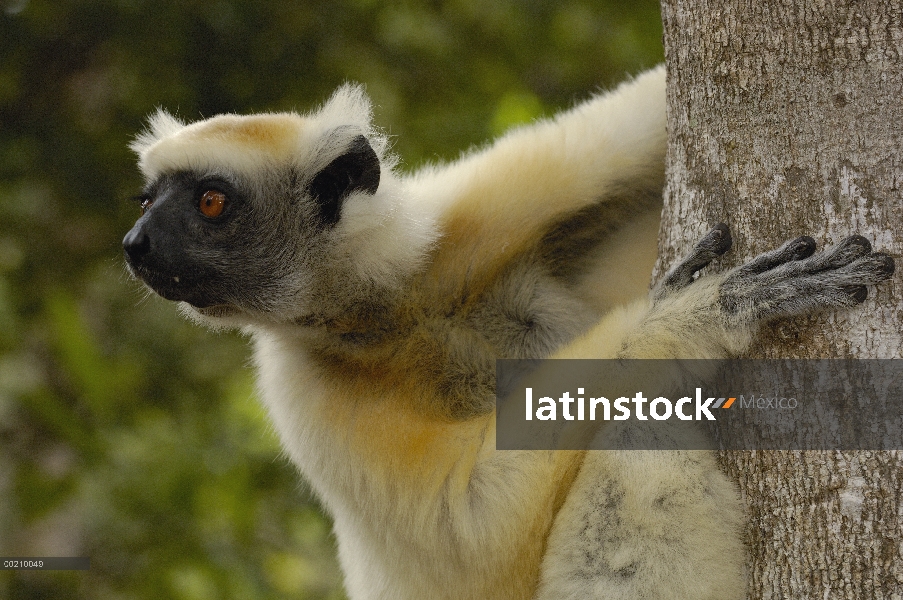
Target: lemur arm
{"type": "Point", "coordinates": [496, 202]}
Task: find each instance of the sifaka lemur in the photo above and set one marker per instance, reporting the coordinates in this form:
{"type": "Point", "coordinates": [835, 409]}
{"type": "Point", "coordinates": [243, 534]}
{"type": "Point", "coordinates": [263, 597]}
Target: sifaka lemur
{"type": "Point", "coordinates": [379, 302]}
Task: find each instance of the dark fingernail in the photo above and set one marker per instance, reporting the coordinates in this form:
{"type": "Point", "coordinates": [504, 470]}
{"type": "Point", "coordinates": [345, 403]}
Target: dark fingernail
{"type": "Point", "coordinates": [803, 247]}
{"type": "Point", "coordinates": [888, 266]}
{"type": "Point", "coordinates": [858, 240]}
{"type": "Point", "coordinates": [725, 241]}
{"type": "Point", "coordinates": [858, 292]}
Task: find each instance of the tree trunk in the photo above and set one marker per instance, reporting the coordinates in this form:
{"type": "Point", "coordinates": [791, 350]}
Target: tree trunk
{"type": "Point", "coordinates": [786, 119]}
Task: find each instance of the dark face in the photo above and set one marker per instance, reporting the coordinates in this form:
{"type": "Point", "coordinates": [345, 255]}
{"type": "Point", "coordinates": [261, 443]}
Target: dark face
{"type": "Point", "coordinates": [191, 242]}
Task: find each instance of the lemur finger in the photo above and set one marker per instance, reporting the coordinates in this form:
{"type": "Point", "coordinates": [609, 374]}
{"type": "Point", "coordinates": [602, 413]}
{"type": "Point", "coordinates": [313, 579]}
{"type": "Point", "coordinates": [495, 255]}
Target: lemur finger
{"type": "Point", "coordinates": [805, 296]}
{"type": "Point", "coordinates": [849, 250]}
{"type": "Point", "coordinates": [715, 243]}
{"type": "Point", "coordinates": [840, 287]}
{"type": "Point", "coordinates": [866, 270]}
{"type": "Point", "coordinates": [863, 270]}
{"type": "Point", "coordinates": [794, 250]}
{"type": "Point", "coordinates": [837, 256]}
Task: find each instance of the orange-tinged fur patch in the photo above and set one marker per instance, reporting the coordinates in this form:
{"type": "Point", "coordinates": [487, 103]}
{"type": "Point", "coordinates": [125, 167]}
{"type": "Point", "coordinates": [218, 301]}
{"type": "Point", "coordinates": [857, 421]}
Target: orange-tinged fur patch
{"type": "Point", "coordinates": [242, 143]}
{"type": "Point", "coordinates": [273, 132]}
{"type": "Point", "coordinates": [423, 459]}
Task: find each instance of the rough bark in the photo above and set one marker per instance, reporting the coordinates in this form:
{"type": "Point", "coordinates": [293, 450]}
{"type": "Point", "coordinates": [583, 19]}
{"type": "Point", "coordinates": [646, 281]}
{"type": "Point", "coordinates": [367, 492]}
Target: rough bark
{"type": "Point", "coordinates": [786, 118]}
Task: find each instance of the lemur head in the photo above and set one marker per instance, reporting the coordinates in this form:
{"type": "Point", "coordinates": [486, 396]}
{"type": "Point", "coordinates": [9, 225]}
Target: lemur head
{"type": "Point", "coordinates": [250, 218]}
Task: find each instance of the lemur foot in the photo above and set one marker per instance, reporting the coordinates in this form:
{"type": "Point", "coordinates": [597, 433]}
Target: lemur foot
{"type": "Point", "coordinates": [792, 280]}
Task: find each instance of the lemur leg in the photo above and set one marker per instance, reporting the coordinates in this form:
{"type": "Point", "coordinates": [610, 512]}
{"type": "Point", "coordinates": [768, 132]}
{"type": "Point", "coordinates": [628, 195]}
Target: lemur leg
{"type": "Point", "coordinates": [664, 525]}
{"type": "Point", "coordinates": [650, 524]}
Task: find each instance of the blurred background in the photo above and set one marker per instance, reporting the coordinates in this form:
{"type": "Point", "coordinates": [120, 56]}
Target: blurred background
{"type": "Point", "coordinates": [133, 437]}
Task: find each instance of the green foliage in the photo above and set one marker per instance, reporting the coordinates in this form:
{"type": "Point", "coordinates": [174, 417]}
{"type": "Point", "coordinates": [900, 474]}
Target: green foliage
{"type": "Point", "coordinates": [126, 434]}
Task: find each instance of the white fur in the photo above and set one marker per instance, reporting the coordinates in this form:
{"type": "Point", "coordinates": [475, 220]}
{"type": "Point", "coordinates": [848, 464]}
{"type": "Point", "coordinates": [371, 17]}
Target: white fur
{"type": "Point", "coordinates": [426, 507]}
{"type": "Point", "coordinates": [168, 144]}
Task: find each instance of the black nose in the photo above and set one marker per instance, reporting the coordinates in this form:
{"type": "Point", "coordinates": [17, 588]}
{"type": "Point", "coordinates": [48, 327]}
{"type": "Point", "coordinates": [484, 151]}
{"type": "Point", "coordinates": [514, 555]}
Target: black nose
{"type": "Point", "coordinates": [136, 244]}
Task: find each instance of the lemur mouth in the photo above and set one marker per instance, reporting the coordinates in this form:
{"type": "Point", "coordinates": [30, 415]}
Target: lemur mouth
{"type": "Point", "coordinates": [182, 289]}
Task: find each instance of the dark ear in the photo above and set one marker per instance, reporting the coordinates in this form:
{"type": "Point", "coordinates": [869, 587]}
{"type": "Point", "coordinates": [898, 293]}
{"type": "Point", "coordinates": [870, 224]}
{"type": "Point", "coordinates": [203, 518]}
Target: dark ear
{"type": "Point", "coordinates": [356, 170]}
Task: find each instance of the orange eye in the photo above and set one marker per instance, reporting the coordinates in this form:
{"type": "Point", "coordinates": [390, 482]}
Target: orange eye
{"type": "Point", "coordinates": [146, 203]}
{"type": "Point", "coordinates": [212, 203]}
